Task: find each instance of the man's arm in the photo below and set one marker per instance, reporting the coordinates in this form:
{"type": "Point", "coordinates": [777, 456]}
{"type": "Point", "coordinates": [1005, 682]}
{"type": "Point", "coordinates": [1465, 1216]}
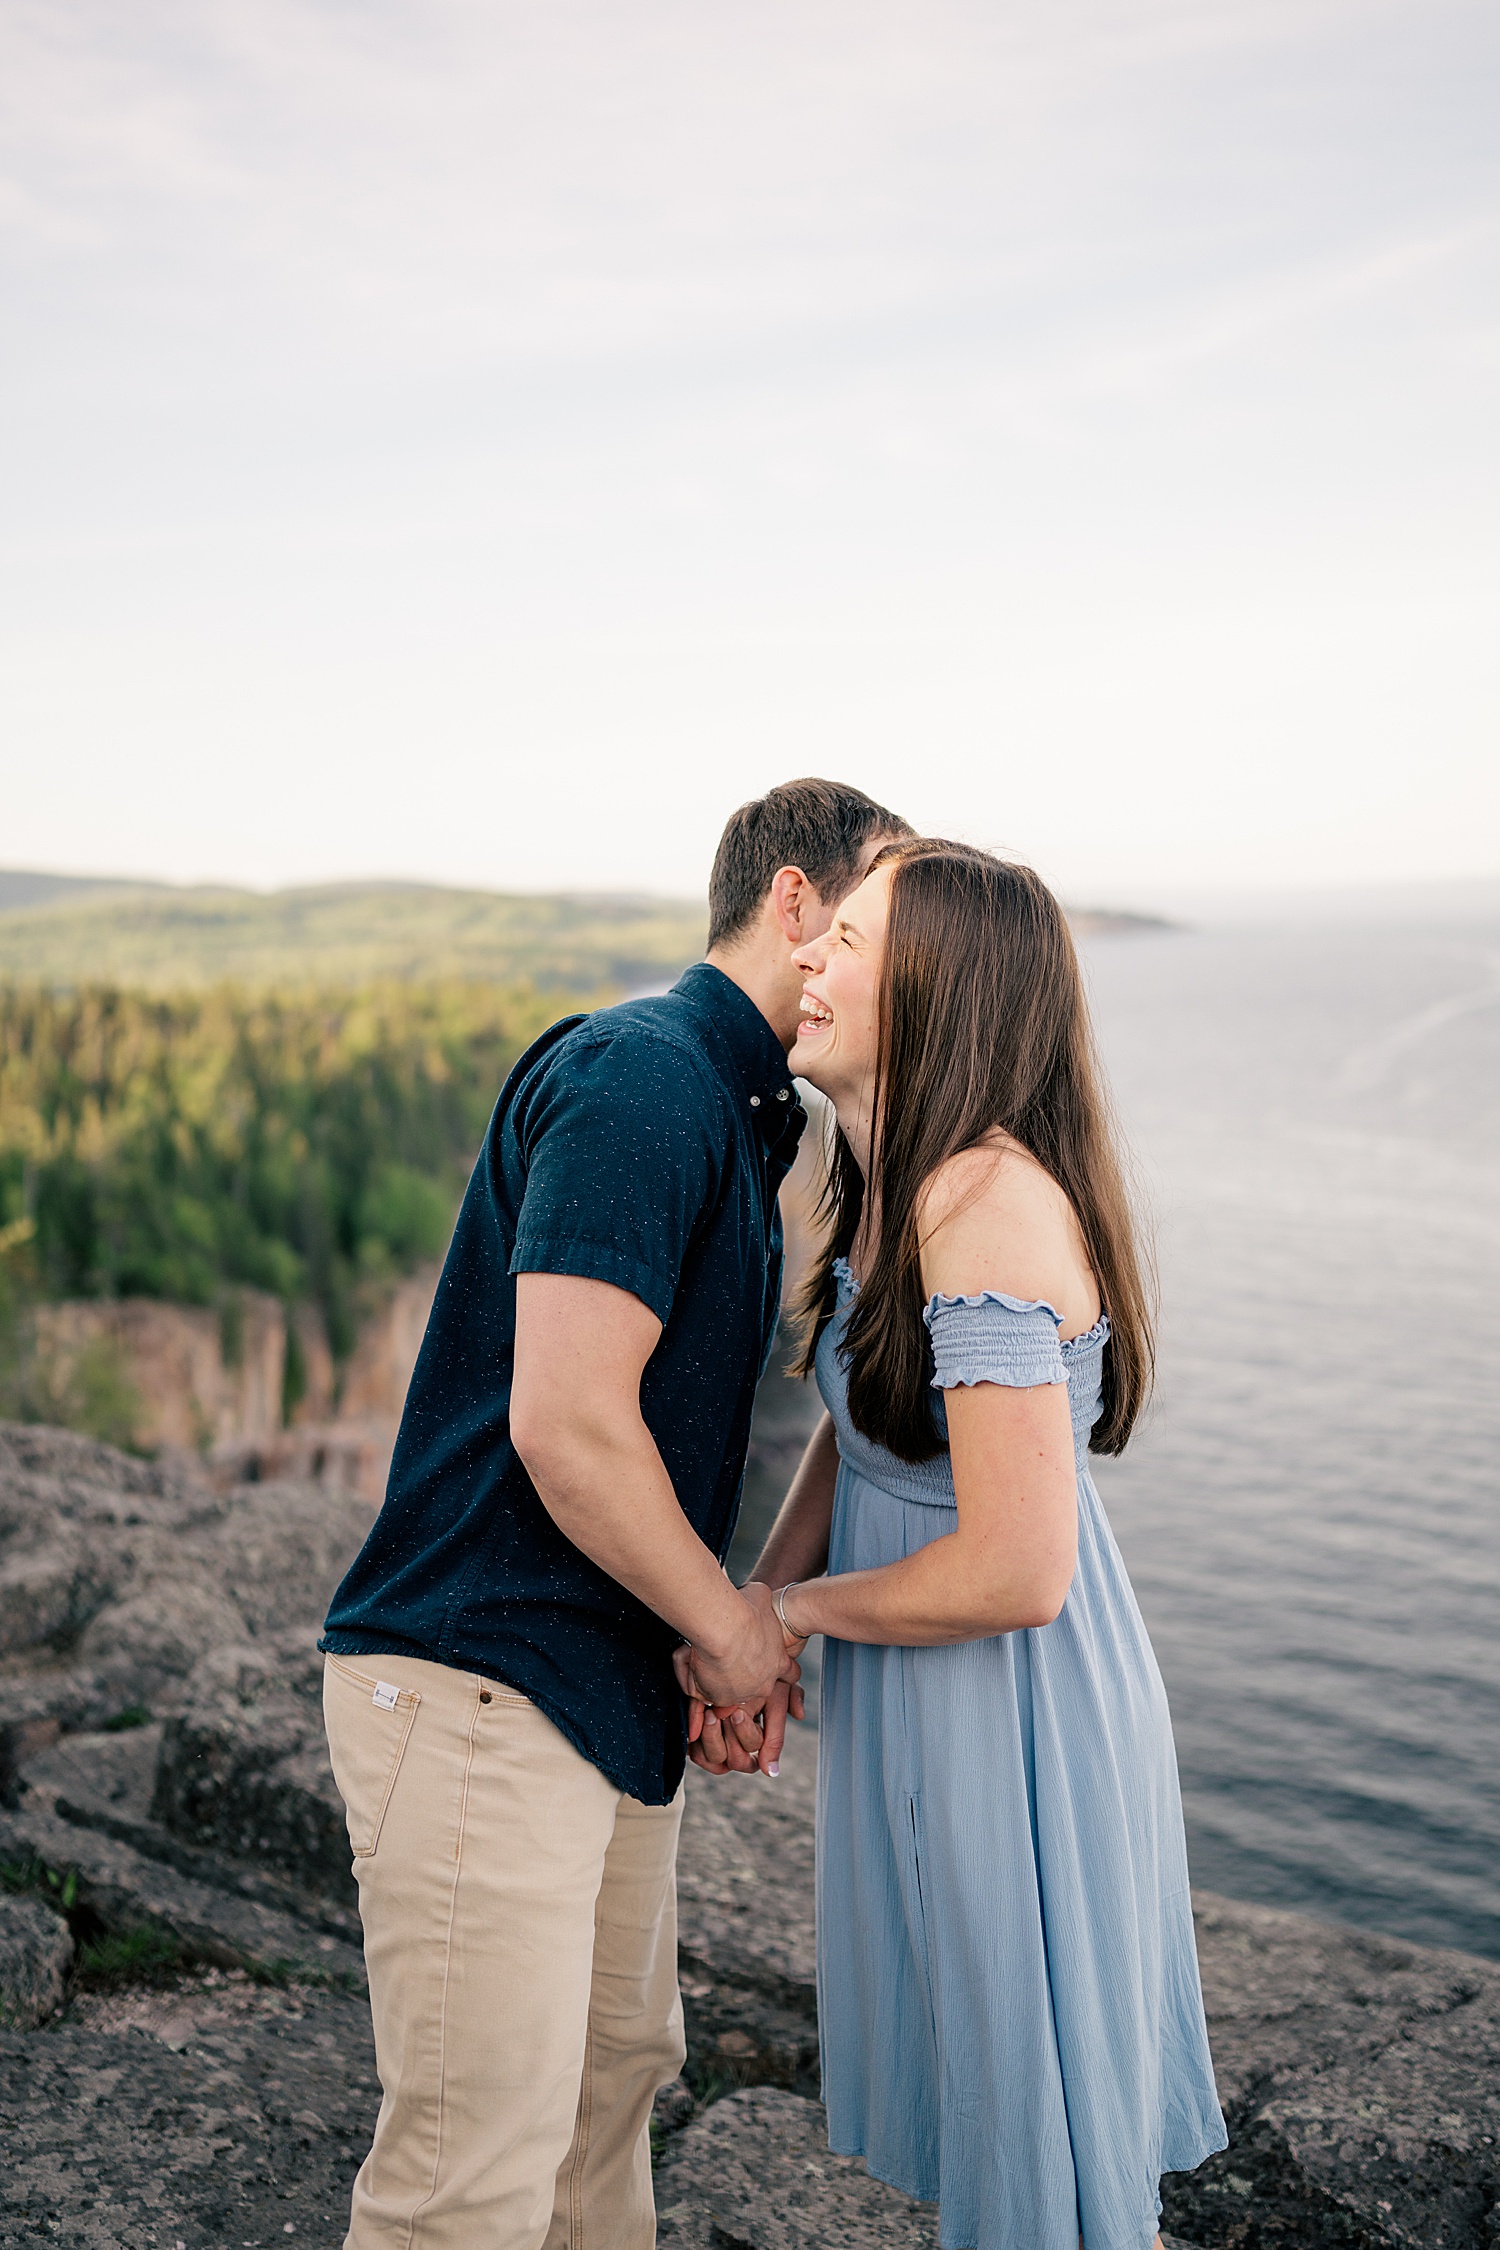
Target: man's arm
{"type": "Point", "coordinates": [575, 1420]}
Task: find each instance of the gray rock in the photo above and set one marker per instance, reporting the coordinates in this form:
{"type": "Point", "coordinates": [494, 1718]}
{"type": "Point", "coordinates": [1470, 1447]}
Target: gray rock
{"type": "Point", "coordinates": [244, 1765]}
{"type": "Point", "coordinates": [49, 1586]}
{"type": "Point", "coordinates": [157, 1635]}
{"type": "Point", "coordinates": [745, 1925]}
{"type": "Point", "coordinates": [107, 1783]}
{"type": "Point", "coordinates": [112, 1773]}
{"type": "Point", "coordinates": [740, 1834]}
{"type": "Point", "coordinates": [754, 2173]}
{"type": "Point", "coordinates": [36, 1952]}
{"type": "Point", "coordinates": [210, 2116]}
{"type": "Point", "coordinates": [673, 2106]}
{"type": "Point", "coordinates": [1361, 2080]}
{"type": "Point", "coordinates": [118, 1576]}
{"type": "Point", "coordinates": [216, 1915]}
{"type": "Point", "coordinates": [52, 1477]}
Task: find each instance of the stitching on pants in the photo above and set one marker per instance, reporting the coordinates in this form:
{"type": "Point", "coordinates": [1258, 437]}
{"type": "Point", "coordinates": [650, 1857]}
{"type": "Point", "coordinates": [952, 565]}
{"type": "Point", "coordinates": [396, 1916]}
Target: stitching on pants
{"type": "Point", "coordinates": [585, 2116]}
{"type": "Point", "coordinates": [458, 1853]}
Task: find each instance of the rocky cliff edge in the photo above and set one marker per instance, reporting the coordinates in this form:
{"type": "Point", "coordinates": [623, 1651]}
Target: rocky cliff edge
{"type": "Point", "coordinates": [186, 2056]}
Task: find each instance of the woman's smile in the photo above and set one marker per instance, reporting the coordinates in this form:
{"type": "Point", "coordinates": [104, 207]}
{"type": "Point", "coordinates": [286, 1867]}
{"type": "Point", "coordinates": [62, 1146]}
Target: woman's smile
{"type": "Point", "coordinates": [816, 1017]}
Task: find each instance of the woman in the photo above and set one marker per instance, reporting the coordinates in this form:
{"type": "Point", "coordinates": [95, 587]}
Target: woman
{"type": "Point", "coordinates": [1007, 1983]}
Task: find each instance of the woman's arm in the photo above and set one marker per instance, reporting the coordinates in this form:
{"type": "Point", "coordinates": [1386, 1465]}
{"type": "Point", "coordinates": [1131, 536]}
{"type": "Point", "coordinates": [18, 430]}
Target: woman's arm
{"type": "Point", "coordinates": [1008, 1564]}
{"type": "Point", "coordinates": [990, 1219]}
{"type": "Point", "coordinates": [798, 1544]}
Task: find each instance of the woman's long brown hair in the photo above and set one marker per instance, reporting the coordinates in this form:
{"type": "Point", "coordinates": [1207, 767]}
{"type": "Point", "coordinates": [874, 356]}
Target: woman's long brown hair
{"type": "Point", "coordinates": [983, 1026]}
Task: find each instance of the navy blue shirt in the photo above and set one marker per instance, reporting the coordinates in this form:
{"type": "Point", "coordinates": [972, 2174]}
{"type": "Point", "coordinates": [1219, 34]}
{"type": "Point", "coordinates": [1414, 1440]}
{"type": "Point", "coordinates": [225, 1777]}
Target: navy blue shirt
{"type": "Point", "coordinates": [643, 1146]}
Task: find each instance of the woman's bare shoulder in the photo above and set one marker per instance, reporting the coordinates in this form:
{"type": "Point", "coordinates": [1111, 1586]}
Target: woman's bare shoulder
{"type": "Point", "coordinates": [999, 1178]}
{"type": "Point", "coordinates": [994, 1218]}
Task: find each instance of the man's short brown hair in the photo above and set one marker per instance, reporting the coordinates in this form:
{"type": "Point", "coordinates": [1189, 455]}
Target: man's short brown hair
{"type": "Point", "coordinates": [819, 826]}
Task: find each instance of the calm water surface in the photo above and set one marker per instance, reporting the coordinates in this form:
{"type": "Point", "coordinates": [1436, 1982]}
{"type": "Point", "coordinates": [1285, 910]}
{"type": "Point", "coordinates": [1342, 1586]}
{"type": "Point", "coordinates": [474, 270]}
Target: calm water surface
{"type": "Point", "coordinates": [1310, 1516]}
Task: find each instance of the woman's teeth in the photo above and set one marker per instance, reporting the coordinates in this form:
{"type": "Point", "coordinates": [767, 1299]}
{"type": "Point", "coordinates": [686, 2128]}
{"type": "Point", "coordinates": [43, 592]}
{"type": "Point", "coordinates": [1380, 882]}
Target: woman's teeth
{"type": "Point", "coordinates": [815, 1015]}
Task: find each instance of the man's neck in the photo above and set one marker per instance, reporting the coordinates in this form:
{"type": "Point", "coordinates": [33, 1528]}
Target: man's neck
{"type": "Point", "coordinates": [765, 983]}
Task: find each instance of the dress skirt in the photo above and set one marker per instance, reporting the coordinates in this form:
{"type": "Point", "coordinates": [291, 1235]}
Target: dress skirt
{"type": "Point", "coordinates": [1011, 2019]}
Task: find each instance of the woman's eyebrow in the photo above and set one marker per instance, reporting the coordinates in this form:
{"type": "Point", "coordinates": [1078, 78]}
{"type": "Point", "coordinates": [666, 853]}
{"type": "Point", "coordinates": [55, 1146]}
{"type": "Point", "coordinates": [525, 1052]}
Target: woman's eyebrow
{"type": "Point", "coordinates": [852, 929]}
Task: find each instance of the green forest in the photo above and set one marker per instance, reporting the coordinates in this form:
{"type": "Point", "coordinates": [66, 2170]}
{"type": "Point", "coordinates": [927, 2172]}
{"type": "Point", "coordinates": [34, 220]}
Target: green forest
{"type": "Point", "coordinates": [312, 1143]}
{"type": "Point", "coordinates": [164, 1146]}
{"type": "Point", "coordinates": [204, 1090]}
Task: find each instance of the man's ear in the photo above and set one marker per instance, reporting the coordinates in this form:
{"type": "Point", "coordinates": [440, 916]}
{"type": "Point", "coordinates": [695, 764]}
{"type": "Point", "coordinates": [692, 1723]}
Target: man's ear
{"type": "Point", "coordinates": [792, 899]}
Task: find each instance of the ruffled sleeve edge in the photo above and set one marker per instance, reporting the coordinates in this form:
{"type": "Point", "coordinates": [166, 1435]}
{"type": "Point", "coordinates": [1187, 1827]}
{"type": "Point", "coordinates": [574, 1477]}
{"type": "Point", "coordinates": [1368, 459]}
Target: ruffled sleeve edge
{"type": "Point", "coordinates": [941, 1304]}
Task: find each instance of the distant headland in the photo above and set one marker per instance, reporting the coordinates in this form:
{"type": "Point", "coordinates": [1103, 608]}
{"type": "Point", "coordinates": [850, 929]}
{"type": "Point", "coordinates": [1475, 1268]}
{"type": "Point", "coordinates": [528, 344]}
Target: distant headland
{"type": "Point", "coordinates": [67, 930]}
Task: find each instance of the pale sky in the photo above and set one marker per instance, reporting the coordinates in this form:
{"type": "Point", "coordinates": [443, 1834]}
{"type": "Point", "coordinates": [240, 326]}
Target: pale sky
{"type": "Point", "coordinates": [486, 442]}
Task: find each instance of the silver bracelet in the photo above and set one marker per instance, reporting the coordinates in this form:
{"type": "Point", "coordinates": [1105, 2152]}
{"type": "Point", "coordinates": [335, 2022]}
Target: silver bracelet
{"type": "Point", "coordinates": [780, 1605]}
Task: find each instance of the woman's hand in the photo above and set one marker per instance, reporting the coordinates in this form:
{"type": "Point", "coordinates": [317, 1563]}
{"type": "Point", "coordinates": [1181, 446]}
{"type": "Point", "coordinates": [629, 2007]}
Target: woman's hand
{"type": "Point", "coordinates": [733, 1738]}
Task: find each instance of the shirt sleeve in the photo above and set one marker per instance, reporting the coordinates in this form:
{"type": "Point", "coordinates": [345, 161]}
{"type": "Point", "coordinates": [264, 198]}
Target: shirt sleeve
{"type": "Point", "coordinates": [992, 1338]}
{"type": "Point", "coordinates": [624, 1151]}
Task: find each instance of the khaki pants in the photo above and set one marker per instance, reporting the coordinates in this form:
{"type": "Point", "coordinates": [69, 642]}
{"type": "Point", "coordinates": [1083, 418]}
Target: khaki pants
{"type": "Point", "coordinates": [520, 1921]}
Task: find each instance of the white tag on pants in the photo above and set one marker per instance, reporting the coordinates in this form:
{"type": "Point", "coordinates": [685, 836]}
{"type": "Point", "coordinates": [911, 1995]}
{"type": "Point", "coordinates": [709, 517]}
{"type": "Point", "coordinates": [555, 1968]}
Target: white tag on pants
{"type": "Point", "coordinates": [384, 1698]}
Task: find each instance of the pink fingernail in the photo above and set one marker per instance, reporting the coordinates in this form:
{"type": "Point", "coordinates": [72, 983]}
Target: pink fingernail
{"type": "Point", "coordinates": [774, 1769]}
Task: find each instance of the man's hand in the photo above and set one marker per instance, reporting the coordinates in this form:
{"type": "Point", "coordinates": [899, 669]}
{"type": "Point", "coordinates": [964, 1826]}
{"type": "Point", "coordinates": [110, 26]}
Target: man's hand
{"type": "Point", "coordinates": [738, 1733]}
{"type": "Point", "coordinates": [743, 1666]}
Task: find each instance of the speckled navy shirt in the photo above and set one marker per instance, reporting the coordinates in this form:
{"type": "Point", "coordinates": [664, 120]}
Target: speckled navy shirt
{"type": "Point", "coordinates": [643, 1146]}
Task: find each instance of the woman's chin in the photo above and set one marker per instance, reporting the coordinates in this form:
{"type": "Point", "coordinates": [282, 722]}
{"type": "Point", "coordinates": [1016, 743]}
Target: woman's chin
{"type": "Point", "coordinates": [806, 1062]}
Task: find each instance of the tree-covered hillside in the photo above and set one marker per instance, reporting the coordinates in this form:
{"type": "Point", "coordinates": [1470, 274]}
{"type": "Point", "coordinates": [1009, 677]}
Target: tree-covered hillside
{"type": "Point", "coordinates": [306, 1143]}
{"type": "Point", "coordinates": [163, 939]}
{"type": "Point", "coordinates": [207, 1090]}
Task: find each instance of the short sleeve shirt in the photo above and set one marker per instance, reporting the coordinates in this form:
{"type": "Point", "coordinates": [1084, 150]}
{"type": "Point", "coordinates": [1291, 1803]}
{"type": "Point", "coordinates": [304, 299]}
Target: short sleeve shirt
{"type": "Point", "coordinates": [642, 1146]}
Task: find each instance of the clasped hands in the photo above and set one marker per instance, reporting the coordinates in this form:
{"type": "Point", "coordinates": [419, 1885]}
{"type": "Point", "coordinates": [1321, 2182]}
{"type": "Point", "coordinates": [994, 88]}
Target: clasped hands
{"type": "Point", "coordinates": [734, 1728]}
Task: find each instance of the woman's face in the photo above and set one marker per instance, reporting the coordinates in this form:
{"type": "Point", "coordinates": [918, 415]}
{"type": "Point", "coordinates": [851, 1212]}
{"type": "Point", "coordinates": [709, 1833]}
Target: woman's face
{"type": "Point", "coordinates": [836, 1037]}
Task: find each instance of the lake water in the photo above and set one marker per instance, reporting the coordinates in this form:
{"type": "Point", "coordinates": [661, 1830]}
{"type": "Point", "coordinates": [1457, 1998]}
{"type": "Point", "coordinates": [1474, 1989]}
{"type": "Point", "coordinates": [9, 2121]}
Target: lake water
{"type": "Point", "coordinates": [1311, 1515]}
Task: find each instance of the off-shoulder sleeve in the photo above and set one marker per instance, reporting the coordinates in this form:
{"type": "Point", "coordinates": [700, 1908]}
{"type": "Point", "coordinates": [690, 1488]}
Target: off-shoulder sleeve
{"type": "Point", "coordinates": [993, 1338]}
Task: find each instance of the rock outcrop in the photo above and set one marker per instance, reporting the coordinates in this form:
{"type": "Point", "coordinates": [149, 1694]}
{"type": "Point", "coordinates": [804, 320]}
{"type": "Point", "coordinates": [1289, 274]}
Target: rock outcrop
{"type": "Point", "coordinates": [755, 2169]}
{"type": "Point", "coordinates": [243, 1770]}
{"type": "Point", "coordinates": [197, 1377]}
{"type": "Point", "coordinates": [206, 2073]}
{"type": "Point", "coordinates": [36, 1953]}
{"type": "Point", "coordinates": [216, 2113]}
{"type": "Point", "coordinates": [118, 1576]}
{"type": "Point", "coordinates": [209, 1386]}
{"type": "Point", "coordinates": [1361, 2080]}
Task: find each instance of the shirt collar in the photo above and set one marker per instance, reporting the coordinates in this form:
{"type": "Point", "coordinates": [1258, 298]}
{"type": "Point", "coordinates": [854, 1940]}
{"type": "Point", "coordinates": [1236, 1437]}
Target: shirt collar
{"type": "Point", "coordinates": [756, 1059]}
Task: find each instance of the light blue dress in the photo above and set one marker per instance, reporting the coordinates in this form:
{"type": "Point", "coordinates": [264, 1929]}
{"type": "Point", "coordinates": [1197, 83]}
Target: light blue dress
{"type": "Point", "coordinates": [1011, 2019]}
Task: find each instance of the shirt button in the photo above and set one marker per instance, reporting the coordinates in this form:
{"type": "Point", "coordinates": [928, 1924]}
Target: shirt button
{"type": "Point", "coordinates": [755, 1101]}
{"type": "Point", "coordinates": [785, 1095]}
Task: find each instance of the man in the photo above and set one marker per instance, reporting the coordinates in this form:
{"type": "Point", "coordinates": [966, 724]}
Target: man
{"type": "Point", "coordinates": [505, 1726]}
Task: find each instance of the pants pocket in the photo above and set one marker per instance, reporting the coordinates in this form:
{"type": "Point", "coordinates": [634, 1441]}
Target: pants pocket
{"type": "Point", "coordinates": [368, 1722]}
